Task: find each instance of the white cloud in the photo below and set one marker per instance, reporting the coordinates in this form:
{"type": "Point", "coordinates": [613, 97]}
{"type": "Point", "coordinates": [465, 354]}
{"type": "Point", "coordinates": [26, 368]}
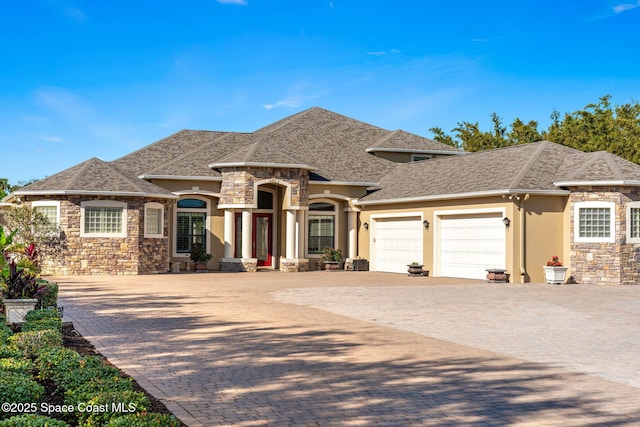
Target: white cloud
{"type": "Point", "coordinates": [53, 139]}
{"type": "Point", "coordinates": [63, 102]}
{"type": "Point", "coordinates": [236, 2]}
{"type": "Point", "coordinates": [292, 101]}
{"type": "Point", "coordinates": [382, 52]}
{"type": "Point", "coordinates": [624, 7]}
{"type": "Point", "coordinates": [479, 40]}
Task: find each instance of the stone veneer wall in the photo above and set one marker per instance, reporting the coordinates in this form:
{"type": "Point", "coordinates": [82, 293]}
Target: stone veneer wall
{"type": "Point", "coordinates": [606, 263]}
{"type": "Point", "coordinates": [238, 184]}
{"type": "Point", "coordinates": [130, 255]}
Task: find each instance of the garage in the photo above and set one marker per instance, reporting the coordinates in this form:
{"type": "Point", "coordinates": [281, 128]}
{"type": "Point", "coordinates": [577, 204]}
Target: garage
{"type": "Point", "coordinates": [469, 244]}
{"type": "Point", "coordinates": [397, 242]}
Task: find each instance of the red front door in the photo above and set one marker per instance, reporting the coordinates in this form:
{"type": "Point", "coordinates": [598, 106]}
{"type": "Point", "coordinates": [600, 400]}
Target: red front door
{"type": "Point", "coordinates": [262, 239]}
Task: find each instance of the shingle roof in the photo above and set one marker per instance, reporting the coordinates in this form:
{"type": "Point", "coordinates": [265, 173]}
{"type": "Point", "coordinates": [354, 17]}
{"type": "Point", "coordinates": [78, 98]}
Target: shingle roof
{"type": "Point", "coordinates": [260, 153]}
{"type": "Point", "coordinates": [533, 167]}
{"type": "Point", "coordinates": [402, 140]}
{"type": "Point", "coordinates": [94, 176]}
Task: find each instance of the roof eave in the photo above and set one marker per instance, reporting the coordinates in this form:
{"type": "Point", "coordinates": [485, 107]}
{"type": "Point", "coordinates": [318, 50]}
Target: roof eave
{"type": "Point", "coordinates": [261, 164]}
{"type": "Point", "coordinates": [345, 183]}
{"type": "Point", "coordinates": [416, 151]}
{"type": "Point", "coordinates": [474, 194]}
{"type": "Point", "coordinates": [93, 193]}
{"type": "Point", "coordinates": [614, 182]}
{"type": "Point", "coordinates": [181, 177]}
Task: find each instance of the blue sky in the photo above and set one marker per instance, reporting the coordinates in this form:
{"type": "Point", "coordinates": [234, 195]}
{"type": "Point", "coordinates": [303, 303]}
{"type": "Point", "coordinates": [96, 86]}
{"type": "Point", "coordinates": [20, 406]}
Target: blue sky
{"type": "Point", "coordinates": [85, 78]}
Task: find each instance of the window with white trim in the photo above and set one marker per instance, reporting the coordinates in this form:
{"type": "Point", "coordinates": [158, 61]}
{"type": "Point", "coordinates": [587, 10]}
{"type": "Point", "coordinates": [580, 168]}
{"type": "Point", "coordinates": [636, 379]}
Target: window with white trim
{"type": "Point", "coordinates": [153, 220]}
{"type": "Point", "coordinates": [594, 222]}
{"type": "Point", "coordinates": [50, 210]}
{"type": "Point", "coordinates": [103, 218]}
{"type": "Point", "coordinates": [191, 224]}
{"type": "Point", "coordinates": [633, 222]}
{"type": "Point", "coordinates": [321, 226]}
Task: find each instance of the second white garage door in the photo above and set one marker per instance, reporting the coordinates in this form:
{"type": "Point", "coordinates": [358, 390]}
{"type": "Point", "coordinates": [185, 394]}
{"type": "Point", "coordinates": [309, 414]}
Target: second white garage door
{"type": "Point", "coordinates": [398, 242]}
{"type": "Point", "coordinates": [469, 244]}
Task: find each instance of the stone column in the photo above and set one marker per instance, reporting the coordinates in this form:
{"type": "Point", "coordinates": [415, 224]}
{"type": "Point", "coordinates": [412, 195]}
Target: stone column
{"type": "Point", "coordinates": [247, 231]}
{"type": "Point", "coordinates": [229, 235]}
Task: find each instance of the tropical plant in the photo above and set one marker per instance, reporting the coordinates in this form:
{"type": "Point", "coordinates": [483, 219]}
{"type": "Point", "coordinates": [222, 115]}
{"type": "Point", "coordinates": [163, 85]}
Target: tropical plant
{"type": "Point", "coordinates": [199, 254]}
{"type": "Point", "coordinates": [332, 254]}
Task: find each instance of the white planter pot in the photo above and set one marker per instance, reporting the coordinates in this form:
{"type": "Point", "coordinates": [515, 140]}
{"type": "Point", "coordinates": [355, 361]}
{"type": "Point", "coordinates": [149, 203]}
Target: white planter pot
{"type": "Point", "coordinates": [555, 275]}
{"type": "Point", "coordinates": [16, 309]}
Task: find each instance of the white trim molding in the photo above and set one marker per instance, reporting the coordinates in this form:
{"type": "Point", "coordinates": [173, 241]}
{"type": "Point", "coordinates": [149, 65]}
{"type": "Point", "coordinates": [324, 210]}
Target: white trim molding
{"type": "Point", "coordinates": [630, 206]}
{"type": "Point", "coordinates": [156, 206]}
{"type": "Point", "coordinates": [104, 204]}
{"type": "Point", "coordinates": [611, 206]}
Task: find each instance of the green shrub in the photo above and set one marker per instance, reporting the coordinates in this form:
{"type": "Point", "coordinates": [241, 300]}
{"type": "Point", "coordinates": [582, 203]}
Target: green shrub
{"type": "Point", "coordinates": [32, 421]}
{"type": "Point", "coordinates": [68, 370]}
{"type": "Point", "coordinates": [96, 386]}
{"type": "Point", "coordinates": [5, 331]}
{"type": "Point", "coordinates": [144, 419]}
{"type": "Point", "coordinates": [128, 401]}
{"type": "Point", "coordinates": [7, 350]}
{"type": "Point", "coordinates": [49, 297]}
{"type": "Point", "coordinates": [44, 314]}
{"type": "Point", "coordinates": [16, 387]}
{"type": "Point", "coordinates": [30, 343]}
{"type": "Point", "coordinates": [14, 364]}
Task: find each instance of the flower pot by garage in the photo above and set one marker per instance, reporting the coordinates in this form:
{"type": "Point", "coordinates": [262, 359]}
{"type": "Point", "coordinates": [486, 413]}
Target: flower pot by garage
{"type": "Point", "coordinates": [415, 270]}
{"type": "Point", "coordinates": [331, 265]}
{"type": "Point", "coordinates": [201, 266]}
{"type": "Point", "coordinates": [555, 275]}
{"type": "Point", "coordinates": [16, 309]}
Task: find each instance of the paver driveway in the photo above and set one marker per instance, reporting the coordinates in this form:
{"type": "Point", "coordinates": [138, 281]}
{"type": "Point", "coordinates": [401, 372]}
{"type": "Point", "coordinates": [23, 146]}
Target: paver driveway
{"type": "Point", "coordinates": [362, 348]}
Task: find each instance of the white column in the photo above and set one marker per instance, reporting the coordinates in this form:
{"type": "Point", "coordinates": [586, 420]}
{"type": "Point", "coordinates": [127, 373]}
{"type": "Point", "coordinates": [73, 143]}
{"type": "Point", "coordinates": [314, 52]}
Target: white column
{"type": "Point", "coordinates": [246, 233]}
{"type": "Point", "coordinates": [228, 233]}
{"type": "Point", "coordinates": [291, 234]}
{"type": "Point", "coordinates": [302, 231]}
{"type": "Point", "coordinates": [352, 224]}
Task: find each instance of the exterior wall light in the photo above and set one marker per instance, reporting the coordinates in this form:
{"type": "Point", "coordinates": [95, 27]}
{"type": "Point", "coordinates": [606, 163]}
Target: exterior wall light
{"type": "Point", "coordinates": [506, 221]}
{"type": "Point", "coordinates": [366, 225]}
{"type": "Point", "coordinates": [426, 224]}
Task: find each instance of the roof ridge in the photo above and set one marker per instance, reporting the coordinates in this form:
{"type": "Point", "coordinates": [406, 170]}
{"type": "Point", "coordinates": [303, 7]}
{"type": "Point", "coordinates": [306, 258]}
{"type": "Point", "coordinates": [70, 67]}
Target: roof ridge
{"type": "Point", "coordinates": [527, 167]}
{"type": "Point", "coordinates": [386, 137]}
{"type": "Point", "coordinates": [83, 169]}
{"type": "Point", "coordinates": [190, 152]}
{"type": "Point", "coordinates": [286, 120]}
{"type": "Point", "coordinates": [134, 180]}
{"type": "Point", "coordinates": [617, 172]}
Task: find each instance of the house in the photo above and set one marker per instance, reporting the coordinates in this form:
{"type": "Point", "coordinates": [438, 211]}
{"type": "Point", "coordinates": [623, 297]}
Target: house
{"type": "Point", "coordinates": [276, 197]}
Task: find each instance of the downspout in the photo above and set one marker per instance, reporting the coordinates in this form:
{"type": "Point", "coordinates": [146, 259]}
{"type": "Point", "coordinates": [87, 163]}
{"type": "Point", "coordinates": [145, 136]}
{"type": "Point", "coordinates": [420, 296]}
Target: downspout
{"type": "Point", "coordinates": [523, 271]}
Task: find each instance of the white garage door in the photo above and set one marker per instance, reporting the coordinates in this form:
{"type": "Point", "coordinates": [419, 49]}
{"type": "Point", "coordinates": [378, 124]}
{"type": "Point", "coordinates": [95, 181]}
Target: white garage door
{"type": "Point", "coordinates": [398, 242]}
{"type": "Point", "coordinates": [470, 244]}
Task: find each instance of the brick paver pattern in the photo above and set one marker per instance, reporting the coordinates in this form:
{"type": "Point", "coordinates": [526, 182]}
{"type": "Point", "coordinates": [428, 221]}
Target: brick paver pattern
{"type": "Point", "coordinates": [364, 348]}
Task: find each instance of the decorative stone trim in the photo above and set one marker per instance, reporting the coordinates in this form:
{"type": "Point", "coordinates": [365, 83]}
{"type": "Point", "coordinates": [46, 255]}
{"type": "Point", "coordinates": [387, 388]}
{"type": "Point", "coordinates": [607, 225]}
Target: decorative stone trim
{"type": "Point", "coordinates": [239, 264]}
{"type": "Point", "coordinates": [294, 265]}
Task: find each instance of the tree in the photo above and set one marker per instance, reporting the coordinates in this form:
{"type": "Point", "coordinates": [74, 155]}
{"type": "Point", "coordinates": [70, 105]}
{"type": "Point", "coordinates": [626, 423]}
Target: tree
{"type": "Point", "coordinates": [598, 126]}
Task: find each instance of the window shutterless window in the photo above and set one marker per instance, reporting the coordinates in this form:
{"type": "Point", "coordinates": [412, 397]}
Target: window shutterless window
{"type": "Point", "coordinates": [153, 220]}
{"type": "Point", "coordinates": [594, 222]}
{"type": "Point", "coordinates": [103, 218]}
{"type": "Point", "coordinates": [321, 226]}
{"type": "Point", "coordinates": [50, 210]}
{"type": "Point", "coordinates": [633, 222]}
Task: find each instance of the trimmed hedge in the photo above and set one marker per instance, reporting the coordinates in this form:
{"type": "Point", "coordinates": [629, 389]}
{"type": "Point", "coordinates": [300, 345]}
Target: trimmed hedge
{"type": "Point", "coordinates": [7, 350]}
{"type": "Point", "coordinates": [16, 364]}
{"type": "Point", "coordinates": [129, 401]}
{"type": "Point", "coordinates": [32, 421]}
{"type": "Point", "coordinates": [95, 386]}
{"type": "Point", "coordinates": [31, 343]}
{"type": "Point", "coordinates": [16, 387]}
{"type": "Point", "coordinates": [144, 419]}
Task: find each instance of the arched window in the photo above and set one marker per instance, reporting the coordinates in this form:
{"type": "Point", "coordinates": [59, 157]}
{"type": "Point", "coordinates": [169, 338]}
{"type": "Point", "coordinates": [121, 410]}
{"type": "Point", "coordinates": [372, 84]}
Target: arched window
{"type": "Point", "coordinates": [191, 224]}
{"type": "Point", "coordinates": [322, 226]}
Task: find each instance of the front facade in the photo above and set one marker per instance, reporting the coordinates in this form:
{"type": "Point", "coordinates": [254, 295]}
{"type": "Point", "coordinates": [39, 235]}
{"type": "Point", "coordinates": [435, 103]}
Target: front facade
{"type": "Point", "coordinates": [275, 198]}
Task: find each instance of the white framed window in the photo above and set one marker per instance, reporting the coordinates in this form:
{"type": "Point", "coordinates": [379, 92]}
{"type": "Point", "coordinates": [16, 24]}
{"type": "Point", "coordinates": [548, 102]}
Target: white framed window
{"type": "Point", "coordinates": [321, 227]}
{"type": "Point", "coordinates": [103, 218]}
{"type": "Point", "coordinates": [153, 220]}
{"type": "Point", "coordinates": [633, 222]}
{"type": "Point", "coordinates": [594, 222]}
{"type": "Point", "coordinates": [191, 218]}
{"type": "Point", "coordinates": [51, 211]}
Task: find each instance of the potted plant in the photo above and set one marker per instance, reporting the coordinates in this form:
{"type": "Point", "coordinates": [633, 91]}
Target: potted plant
{"type": "Point", "coordinates": [415, 269]}
{"type": "Point", "coordinates": [554, 272]}
{"type": "Point", "coordinates": [200, 257]}
{"type": "Point", "coordinates": [331, 258]}
{"type": "Point", "coordinates": [19, 272]}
